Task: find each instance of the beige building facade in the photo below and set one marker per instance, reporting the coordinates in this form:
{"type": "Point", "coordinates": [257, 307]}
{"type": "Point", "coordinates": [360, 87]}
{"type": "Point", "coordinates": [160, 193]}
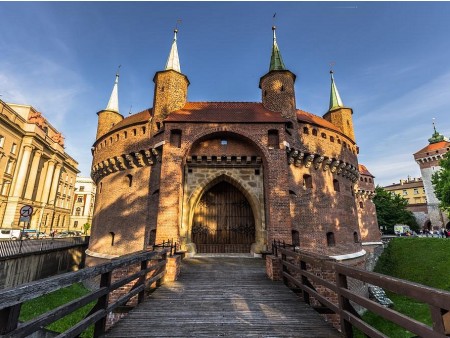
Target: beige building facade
{"type": "Point", "coordinates": [35, 170]}
{"type": "Point", "coordinates": [83, 206]}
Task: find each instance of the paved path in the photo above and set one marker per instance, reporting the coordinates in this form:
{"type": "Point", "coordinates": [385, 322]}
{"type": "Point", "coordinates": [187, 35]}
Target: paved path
{"type": "Point", "coordinates": [223, 297]}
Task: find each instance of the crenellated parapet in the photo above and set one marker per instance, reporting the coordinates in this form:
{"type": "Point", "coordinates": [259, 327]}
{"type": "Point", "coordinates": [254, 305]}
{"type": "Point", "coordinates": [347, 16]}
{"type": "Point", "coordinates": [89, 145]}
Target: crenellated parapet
{"type": "Point", "coordinates": [319, 161]}
{"type": "Point", "coordinates": [142, 158]}
{"type": "Point", "coordinates": [365, 194]}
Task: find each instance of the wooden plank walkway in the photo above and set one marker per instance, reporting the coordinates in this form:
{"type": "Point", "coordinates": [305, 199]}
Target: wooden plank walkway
{"type": "Point", "coordinates": [223, 297]}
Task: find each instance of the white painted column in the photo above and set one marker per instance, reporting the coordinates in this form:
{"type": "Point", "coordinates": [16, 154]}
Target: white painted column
{"type": "Point", "coordinates": [55, 184]}
{"type": "Point", "coordinates": [48, 181]}
{"type": "Point", "coordinates": [33, 174]}
{"type": "Point", "coordinates": [22, 172]}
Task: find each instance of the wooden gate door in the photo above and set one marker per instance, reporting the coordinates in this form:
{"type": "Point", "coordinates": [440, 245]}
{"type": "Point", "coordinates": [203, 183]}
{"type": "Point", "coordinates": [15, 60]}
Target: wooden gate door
{"type": "Point", "coordinates": [223, 221]}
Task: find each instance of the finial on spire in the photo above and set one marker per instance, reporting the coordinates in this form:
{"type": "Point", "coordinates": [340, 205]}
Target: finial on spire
{"type": "Point", "coordinates": [436, 137]}
{"type": "Point", "coordinates": [335, 98]}
{"type": "Point", "coordinates": [113, 103]}
{"type": "Point", "coordinates": [173, 62]}
{"type": "Point", "coordinates": [276, 61]}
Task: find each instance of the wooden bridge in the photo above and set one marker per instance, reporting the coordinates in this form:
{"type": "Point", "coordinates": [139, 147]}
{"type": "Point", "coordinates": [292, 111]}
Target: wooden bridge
{"type": "Point", "coordinates": [223, 297]}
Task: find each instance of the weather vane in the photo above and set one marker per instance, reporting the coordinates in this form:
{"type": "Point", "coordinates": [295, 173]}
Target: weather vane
{"type": "Point", "coordinates": [129, 113]}
{"type": "Point", "coordinates": [176, 25]}
{"type": "Point", "coordinates": [332, 64]}
{"type": "Point", "coordinates": [118, 69]}
{"type": "Point", "coordinates": [273, 18]}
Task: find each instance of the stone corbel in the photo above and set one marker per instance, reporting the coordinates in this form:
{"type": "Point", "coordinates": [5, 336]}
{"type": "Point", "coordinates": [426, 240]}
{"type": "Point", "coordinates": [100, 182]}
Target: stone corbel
{"type": "Point", "coordinates": [341, 167]}
{"type": "Point", "coordinates": [308, 160]}
{"type": "Point", "coordinates": [120, 162]}
{"type": "Point", "coordinates": [113, 164]}
{"type": "Point", "coordinates": [156, 154]}
{"type": "Point", "coordinates": [317, 161]}
{"type": "Point", "coordinates": [326, 164]}
{"type": "Point", "coordinates": [140, 159]}
{"type": "Point", "coordinates": [129, 159]}
{"type": "Point", "coordinates": [334, 165]}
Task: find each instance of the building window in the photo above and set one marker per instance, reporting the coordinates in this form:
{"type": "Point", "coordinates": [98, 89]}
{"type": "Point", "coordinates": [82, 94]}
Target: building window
{"type": "Point", "coordinates": [336, 185]}
{"type": "Point", "coordinates": [307, 181]}
{"type": "Point", "coordinates": [223, 142]}
{"type": "Point", "coordinates": [77, 211]}
{"type": "Point", "coordinates": [81, 187]}
{"type": "Point", "coordinates": [338, 141]}
{"type": "Point", "coordinates": [125, 134]}
{"type": "Point", "coordinates": [370, 180]}
{"type": "Point", "coordinates": [80, 199]}
{"type": "Point", "coordinates": [295, 238]}
{"type": "Point", "coordinates": [331, 139]}
{"type": "Point", "coordinates": [314, 132]}
{"type": "Point", "coordinates": [130, 180]}
{"type": "Point", "coordinates": [134, 131]}
{"type": "Point", "coordinates": [5, 187]}
{"type": "Point", "coordinates": [416, 191]}
{"type": "Point", "coordinates": [175, 138]}
{"type": "Point", "coordinates": [361, 205]}
{"type": "Point", "coordinates": [9, 166]}
{"type": "Point", "coordinates": [355, 237]}
{"type": "Point", "coordinates": [330, 239]}
{"type": "Point", "coordinates": [75, 224]}
{"type": "Point", "coordinates": [143, 130]}
{"type": "Point", "coordinates": [323, 135]}
{"type": "Point", "coordinates": [405, 192]}
{"type": "Point", "coordinates": [2, 141]}
{"type": "Point", "coordinates": [273, 139]}
{"type": "Point", "coordinates": [112, 234]}
{"type": "Point", "coordinates": [305, 130]}
{"type": "Point", "coordinates": [13, 148]}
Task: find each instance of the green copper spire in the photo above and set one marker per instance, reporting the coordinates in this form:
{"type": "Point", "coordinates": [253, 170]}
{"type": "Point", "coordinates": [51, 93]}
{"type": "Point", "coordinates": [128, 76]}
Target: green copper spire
{"type": "Point", "coordinates": [436, 137]}
{"type": "Point", "coordinates": [276, 61]}
{"type": "Point", "coordinates": [335, 98]}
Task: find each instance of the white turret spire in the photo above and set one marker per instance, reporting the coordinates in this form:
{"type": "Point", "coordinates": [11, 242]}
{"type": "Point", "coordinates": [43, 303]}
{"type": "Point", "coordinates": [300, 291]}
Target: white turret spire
{"type": "Point", "coordinates": [113, 103]}
{"type": "Point", "coordinates": [173, 62]}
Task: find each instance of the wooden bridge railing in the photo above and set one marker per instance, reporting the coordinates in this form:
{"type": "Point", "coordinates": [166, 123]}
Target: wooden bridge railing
{"type": "Point", "coordinates": [306, 272]}
{"type": "Point", "coordinates": [12, 299]}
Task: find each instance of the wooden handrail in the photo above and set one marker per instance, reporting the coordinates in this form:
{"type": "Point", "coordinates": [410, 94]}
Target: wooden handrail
{"type": "Point", "coordinates": [295, 271]}
{"type": "Point", "coordinates": [13, 298]}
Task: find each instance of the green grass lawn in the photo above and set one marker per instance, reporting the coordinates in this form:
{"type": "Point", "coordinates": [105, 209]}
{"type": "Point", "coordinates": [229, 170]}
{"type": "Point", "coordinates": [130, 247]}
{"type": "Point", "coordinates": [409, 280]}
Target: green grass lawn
{"type": "Point", "coordinates": [421, 260]}
{"type": "Point", "coordinates": [35, 307]}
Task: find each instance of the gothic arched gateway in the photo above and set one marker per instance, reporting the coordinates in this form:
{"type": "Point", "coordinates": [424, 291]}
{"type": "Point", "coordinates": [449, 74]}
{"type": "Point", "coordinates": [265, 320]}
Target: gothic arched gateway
{"type": "Point", "coordinates": [223, 221]}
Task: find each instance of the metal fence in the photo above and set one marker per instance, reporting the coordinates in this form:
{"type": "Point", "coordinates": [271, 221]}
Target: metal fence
{"type": "Point", "coordinates": [10, 248]}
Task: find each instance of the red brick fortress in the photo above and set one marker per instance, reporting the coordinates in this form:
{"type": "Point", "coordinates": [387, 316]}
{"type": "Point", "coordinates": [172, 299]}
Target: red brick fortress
{"type": "Point", "coordinates": [229, 176]}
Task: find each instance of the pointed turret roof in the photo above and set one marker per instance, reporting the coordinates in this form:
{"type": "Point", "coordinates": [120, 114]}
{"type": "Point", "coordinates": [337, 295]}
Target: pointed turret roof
{"type": "Point", "coordinates": [436, 137]}
{"type": "Point", "coordinates": [276, 61]}
{"type": "Point", "coordinates": [113, 103]}
{"type": "Point", "coordinates": [335, 98]}
{"type": "Point", "coordinates": [173, 62]}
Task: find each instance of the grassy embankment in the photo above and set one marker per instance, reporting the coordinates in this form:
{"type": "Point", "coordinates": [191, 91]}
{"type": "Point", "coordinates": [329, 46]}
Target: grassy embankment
{"type": "Point", "coordinates": [421, 260]}
{"type": "Point", "coordinates": [35, 307]}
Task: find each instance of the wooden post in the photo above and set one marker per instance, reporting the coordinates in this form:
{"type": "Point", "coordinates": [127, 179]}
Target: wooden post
{"type": "Point", "coordinates": [141, 281]}
{"type": "Point", "coordinates": [102, 303]}
{"type": "Point", "coordinates": [9, 318]}
{"type": "Point", "coordinates": [344, 305]}
{"type": "Point", "coordinates": [284, 268]}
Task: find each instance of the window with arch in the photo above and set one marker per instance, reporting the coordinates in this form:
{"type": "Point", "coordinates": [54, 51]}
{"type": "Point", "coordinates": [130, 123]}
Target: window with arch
{"type": "Point", "coordinates": [134, 132]}
{"type": "Point", "coordinates": [314, 132]}
{"type": "Point", "coordinates": [112, 234]}
{"type": "Point", "coordinates": [330, 239]}
{"type": "Point", "coordinates": [331, 139]}
{"type": "Point", "coordinates": [336, 185]}
{"type": "Point", "coordinates": [361, 205]}
{"type": "Point", "coordinates": [110, 140]}
{"type": "Point", "coordinates": [355, 237]}
{"type": "Point", "coordinates": [117, 137]}
{"type": "Point", "coordinates": [129, 180]}
{"type": "Point", "coordinates": [323, 135]}
{"type": "Point", "coordinates": [307, 181]}
{"type": "Point", "coordinates": [370, 180]}
{"type": "Point", "coordinates": [125, 134]}
{"type": "Point", "coordinates": [273, 139]}
{"type": "Point", "coordinates": [78, 211]}
{"type": "Point", "coordinates": [305, 130]}
{"type": "Point", "coordinates": [101, 186]}
{"type": "Point", "coordinates": [338, 141]}
{"type": "Point", "coordinates": [175, 138]}
{"type": "Point", "coordinates": [143, 130]}
{"type": "Point", "coordinates": [365, 179]}
{"type": "Point", "coordinates": [295, 238]}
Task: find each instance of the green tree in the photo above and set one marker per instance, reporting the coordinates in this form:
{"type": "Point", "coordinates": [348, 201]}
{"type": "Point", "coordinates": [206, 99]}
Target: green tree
{"type": "Point", "coordinates": [441, 183]}
{"type": "Point", "coordinates": [86, 227]}
{"type": "Point", "coordinates": [391, 210]}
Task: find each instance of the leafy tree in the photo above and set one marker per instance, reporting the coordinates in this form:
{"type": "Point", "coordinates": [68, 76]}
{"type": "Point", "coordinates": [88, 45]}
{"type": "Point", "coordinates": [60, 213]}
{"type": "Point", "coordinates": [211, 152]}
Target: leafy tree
{"type": "Point", "coordinates": [391, 210]}
{"type": "Point", "coordinates": [86, 227]}
{"type": "Point", "coordinates": [441, 184]}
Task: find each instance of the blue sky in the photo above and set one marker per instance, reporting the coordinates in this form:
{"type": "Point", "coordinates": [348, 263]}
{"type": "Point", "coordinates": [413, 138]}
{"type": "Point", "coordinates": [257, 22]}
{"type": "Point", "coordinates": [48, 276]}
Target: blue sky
{"type": "Point", "coordinates": [392, 63]}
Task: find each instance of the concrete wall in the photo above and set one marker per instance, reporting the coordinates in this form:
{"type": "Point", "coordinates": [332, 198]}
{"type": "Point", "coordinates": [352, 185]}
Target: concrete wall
{"type": "Point", "coordinates": [30, 267]}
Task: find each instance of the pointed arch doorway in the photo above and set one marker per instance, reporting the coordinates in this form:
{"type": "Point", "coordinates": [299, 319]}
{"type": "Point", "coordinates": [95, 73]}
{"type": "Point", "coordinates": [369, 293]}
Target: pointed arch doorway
{"type": "Point", "coordinates": [223, 221]}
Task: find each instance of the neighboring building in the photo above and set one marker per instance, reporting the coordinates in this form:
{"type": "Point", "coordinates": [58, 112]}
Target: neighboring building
{"type": "Point", "coordinates": [413, 191]}
{"type": "Point", "coordinates": [229, 176]}
{"type": "Point", "coordinates": [428, 159]}
{"type": "Point", "coordinates": [83, 206]}
{"type": "Point", "coordinates": [34, 170]}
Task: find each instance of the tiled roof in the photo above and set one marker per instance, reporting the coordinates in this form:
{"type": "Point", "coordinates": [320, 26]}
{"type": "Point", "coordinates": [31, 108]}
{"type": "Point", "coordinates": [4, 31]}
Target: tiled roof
{"type": "Point", "coordinates": [232, 112]}
{"type": "Point", "coordinates": [143, 116]}
{"type": "Point", "coordinates": [433, 147]}
{"type": "Point", "coordinates": [363, 170]}
{"type": "Point", "coordinates": [404, 185]}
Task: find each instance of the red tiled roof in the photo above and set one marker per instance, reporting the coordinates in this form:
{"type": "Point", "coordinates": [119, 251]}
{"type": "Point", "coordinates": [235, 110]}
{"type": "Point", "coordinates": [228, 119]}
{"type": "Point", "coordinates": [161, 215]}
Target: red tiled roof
{"type": "Point", "coordinates": [433, 147]}
{"type": "Point", "coordinates": [143, 116]}
{"type": "Point", "coordinates": [363, 170]}
{"type": "Point", "coordinates": [231, 112]}
{"type": "Point", "coordinates": [304, 116]}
